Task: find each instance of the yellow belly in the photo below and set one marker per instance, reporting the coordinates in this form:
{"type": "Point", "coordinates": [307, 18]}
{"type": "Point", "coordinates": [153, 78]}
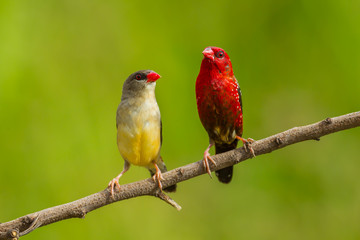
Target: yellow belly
{"type": "Point", "coordinates": [139, 143]}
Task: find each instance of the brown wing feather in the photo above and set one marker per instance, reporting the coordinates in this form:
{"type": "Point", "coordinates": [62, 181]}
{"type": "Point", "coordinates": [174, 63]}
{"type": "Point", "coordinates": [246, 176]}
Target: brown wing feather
{"type": "Point", "coordinates": [161, 137]}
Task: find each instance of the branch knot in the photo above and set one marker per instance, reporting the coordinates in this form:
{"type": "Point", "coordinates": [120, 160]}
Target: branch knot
{"type": "Point", "coordinates": [328, 121]}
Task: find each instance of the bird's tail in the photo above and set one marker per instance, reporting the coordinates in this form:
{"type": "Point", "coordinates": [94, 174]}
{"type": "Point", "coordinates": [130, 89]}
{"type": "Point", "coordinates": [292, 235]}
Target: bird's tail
{"type": "Point", "coordinates": [225, 175]}
{"type": "Point", "coordinates": [163, 169]}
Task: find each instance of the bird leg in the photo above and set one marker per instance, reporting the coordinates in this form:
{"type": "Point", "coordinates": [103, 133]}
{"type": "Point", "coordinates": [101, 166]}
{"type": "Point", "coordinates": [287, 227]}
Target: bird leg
{"type": "Point", "coordinates": [115, 181]}
{"type": "Point", "coordinates": [157, 176]}
{"type": "Point", "coordinates": [247, 144]}
{"type": "Point", "coordinates": [207, 157]}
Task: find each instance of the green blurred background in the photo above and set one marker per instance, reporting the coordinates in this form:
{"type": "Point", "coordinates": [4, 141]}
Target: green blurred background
{"type": "Point", "coordinates": [62, 66]}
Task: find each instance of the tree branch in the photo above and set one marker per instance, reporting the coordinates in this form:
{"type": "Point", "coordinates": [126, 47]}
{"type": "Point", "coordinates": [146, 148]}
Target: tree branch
{"type": "Point", "coordinates": [79, 208]}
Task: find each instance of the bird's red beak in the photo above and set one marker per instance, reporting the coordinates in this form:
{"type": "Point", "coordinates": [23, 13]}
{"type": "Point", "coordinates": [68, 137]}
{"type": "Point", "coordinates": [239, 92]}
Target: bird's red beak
{"type": "Point", "coordinates": [208, 53]}
{"type": "Point", "coordinates": [152, 77]}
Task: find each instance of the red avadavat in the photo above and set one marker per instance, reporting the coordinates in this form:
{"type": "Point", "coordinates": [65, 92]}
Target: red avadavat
{"type": "Point", "coordinates": [218, 98]}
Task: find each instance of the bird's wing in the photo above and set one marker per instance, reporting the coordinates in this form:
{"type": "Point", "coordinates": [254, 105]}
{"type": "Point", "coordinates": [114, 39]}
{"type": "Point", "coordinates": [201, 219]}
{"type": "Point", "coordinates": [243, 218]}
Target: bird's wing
{"type": "Point", "coordinates": [239, 92]}
{"type": "Point", "coordinates": [161, 137]}
{"type": "Point", "coordinates": [239, 127]}
{"type": "Point", "coordinates": [117, 116]}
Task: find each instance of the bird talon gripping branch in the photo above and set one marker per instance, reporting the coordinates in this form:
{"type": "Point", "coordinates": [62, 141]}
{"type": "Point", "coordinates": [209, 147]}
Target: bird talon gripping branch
{"type": "Point", "coordinates": [247, 144]}
{"type": "Point", "coordinates": [206, 158]}
{"type": "Point", "coordinates": [112, 184]}
{"type": "Point", "coordinates": [156, 179]}
{"type": "Point", "coordinates": [250, 140]}
{"type": "Point", "coordinates": [206, 164]}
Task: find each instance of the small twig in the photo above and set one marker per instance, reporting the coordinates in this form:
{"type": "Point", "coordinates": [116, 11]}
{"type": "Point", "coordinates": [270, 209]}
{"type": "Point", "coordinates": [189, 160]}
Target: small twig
{"type": "Point", "coordinates": [167, 199]}
{"type": "Point", "coordinates": [79, 208]}
{"type": "Point", "coordinates": [34, 225]}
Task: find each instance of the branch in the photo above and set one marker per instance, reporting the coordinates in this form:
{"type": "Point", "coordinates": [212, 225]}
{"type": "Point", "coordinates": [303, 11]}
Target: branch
{"type": "Point", "coordinates": [79, 208]}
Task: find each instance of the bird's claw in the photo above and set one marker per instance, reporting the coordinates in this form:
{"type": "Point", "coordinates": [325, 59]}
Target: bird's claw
{"type": "Point", "coordinates": [247, 145]}
{"type": "Point", "coordinates": [112, 184]}
{"type": "Point", "coordinates": [250, 140]}
{"type": "Point", "coordinates": [206, 163]}
{"type": "Point", "coordinates": [157, 179]}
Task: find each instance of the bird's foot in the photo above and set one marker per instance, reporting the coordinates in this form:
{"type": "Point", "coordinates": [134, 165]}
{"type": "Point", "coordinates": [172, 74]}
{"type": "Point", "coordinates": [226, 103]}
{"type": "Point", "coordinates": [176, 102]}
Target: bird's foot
{"type": "Point", "coordinates": [158, 177]}
{"type": "Point", "coordinates": [206, 162]}
{"type": "Point", "coordinates": [247, 144]}
{"type": "Point", "coordinates": [113, 183]}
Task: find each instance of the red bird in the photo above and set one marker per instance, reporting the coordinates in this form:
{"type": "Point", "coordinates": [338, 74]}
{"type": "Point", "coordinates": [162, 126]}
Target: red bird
{"type": "Point", "coordinates": [219, 104]}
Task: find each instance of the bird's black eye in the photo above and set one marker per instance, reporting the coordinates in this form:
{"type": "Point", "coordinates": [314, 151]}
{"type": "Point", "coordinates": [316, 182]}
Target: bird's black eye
{"type": "Point", "coordinates": [220, 54]}
{"type": "Point", "coordinates": [138, 76]}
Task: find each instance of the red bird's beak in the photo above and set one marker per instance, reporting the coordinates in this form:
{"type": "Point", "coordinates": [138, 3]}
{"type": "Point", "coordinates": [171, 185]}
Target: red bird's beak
{"type": "Point", "coordinates": [152, 77]}
{"type": "Point", "coordinates": [208, 53]}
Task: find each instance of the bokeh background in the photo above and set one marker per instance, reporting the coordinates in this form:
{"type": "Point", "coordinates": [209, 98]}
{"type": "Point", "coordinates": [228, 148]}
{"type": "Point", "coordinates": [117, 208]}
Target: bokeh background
{"type": "Point", "coordinates": [62, 66]}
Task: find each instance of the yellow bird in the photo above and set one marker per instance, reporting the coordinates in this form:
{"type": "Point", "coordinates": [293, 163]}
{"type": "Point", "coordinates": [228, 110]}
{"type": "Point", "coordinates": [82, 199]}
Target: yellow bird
{"type": "Point", "coordinates": [139, 127]}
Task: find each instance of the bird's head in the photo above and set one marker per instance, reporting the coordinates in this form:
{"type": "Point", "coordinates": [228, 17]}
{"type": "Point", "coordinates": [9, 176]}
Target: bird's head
{"type": "Point", "coordinates": [217, 57]}
{"type": "Point", "coordinates": [140, 81]}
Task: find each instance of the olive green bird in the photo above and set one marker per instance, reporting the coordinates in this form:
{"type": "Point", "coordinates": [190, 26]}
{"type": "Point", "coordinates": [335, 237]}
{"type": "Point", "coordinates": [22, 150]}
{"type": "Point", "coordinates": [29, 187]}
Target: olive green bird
{"type": "Point", "coordinates": [139, 127]}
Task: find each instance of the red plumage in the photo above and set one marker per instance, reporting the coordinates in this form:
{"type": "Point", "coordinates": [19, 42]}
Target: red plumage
{"type": "Point", "coordinates": [219, 105]}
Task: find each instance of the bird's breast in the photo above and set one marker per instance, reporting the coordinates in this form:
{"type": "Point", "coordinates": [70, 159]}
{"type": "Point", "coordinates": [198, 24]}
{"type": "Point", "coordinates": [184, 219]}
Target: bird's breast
{"type": "Point", "coordinates": [139, 132]}
{"type": "Point", "coordinates": [219, 108]}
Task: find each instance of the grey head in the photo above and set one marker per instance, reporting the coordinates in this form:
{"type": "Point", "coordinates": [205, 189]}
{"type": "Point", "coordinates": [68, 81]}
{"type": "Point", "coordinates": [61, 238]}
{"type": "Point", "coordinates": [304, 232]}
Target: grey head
{"type": "Point", "coordinates": [139, 82]}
